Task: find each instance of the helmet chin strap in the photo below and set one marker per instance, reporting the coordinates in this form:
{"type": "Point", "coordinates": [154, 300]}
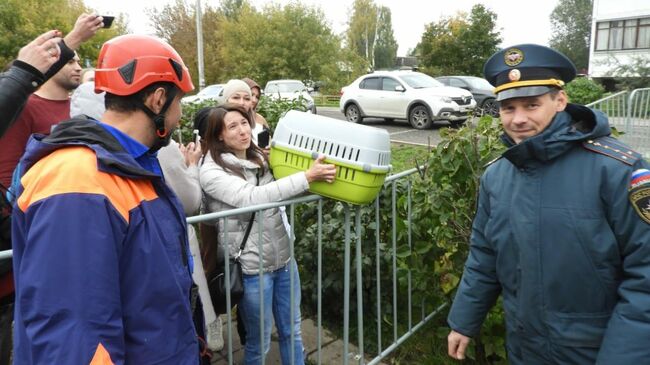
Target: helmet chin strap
{"type": "Point", "coordinates": [162, 133]}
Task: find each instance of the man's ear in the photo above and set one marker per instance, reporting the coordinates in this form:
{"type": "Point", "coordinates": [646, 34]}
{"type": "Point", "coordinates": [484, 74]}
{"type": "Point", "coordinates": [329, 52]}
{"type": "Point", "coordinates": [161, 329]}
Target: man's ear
{"type": "Point", "coordinates": [562, 99]}
{"type": "Point", "coordinates": [156, 100]}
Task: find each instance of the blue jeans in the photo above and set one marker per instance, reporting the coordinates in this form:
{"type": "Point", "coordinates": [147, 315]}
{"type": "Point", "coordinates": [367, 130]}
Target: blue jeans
{"type": "Point", "coordinates": [276, 287]}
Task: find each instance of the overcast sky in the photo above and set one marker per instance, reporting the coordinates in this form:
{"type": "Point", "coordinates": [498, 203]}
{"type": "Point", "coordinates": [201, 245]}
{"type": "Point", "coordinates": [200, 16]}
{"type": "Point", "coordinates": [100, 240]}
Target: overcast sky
{"type": "Point", "coordinates": [519, 21]}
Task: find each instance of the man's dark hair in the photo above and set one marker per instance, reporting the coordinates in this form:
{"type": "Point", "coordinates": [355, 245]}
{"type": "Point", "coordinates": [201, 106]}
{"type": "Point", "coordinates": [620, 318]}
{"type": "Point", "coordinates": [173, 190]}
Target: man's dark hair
{"type": "Point", "coordinates": [134, 102]}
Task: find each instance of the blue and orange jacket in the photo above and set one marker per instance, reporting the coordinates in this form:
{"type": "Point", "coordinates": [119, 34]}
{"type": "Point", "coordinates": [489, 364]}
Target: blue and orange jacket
{"type": "Point", "coordinates": [100, 256]}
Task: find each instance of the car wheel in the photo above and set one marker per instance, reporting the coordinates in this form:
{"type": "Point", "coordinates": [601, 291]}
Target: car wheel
{"type": "Point", "coordinates": [352, 114]}
{"type": "Point", "coordinates": [490, 107]}
{"type": "Point", "coordinates": [420, 118]}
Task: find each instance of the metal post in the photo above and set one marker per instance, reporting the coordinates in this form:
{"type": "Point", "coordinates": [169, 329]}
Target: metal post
{"type": "Point", "coordinates": [260, 276]}
{"type": "Point", "coordinates": [394, 239]}
{"type": "Point", "coordinates": [292, 311]}
{"type": "Point", "coordinates": [410, 251]}
{"type": "Point", "coordinates": [199, 44]}
{"type": "Point", "coordinates": [378, 275]}
{"type": "Point", "coordinates": [226, 257]}
{"type": "Point", "coordinates": [320, 279]}
{"type": "Point", "coordinates": [346, 287]}
{"type": "Point", "coordinates": [359, 260]}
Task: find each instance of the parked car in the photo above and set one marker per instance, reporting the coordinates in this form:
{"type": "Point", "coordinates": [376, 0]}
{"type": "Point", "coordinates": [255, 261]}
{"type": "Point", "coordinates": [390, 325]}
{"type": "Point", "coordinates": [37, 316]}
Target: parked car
{"type": "Point", "coordinates": [210, 92]}
{"type": "Point", "coordinates": [290, 90]}
{"type": "Point", "coordinates": [480, 88]}
{"type": "Point", "coordinates": [409, 95]}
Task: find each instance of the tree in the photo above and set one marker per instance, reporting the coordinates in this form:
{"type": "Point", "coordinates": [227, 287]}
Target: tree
{"type": "Point", "coordinates": [361, 30]}
{"type": "Point", "coordinates": [21, 21]}
{"type": "Point", "coordinates": [459, 44]}
{"type": "Point", "coordinates": [385, 49]}
{"type": "Point", "coordinates": [256, 44]}
{"type": "Point", "coordinates": [176, 23]}
{"type": "Point", "coordinates": [571, 29]}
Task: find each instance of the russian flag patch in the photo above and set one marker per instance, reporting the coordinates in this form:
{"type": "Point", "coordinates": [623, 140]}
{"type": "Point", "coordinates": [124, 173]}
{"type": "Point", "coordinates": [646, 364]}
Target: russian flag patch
{"type": "Point", "coordinates": [639, 193]}
{"type": "Point", "coordinates": [640, 177]}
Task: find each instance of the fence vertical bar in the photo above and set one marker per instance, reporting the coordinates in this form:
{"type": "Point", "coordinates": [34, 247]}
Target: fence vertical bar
{"type": "Point", "coordinates": [394, 239]}
{"type": "Point", "coordinates": [408, 220]}
{"type": "Point", "coordinates": [226, 258]}
{"type": "Point", "coordinates": [359, 261]}
{"type": "Point", "coordinates": [292, 279]}
{"type": "Point", "coordinates": [320, 278]}
{"type": "Point", "coordinates": [378, 275]}
{"type": "Point", "coordinates": [346, 287]}
{"type": "Point", "coordinates": [260, 273]}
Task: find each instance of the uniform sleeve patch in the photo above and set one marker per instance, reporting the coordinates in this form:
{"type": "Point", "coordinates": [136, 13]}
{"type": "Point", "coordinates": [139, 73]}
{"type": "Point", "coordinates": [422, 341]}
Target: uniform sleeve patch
{"type": "Point", "coordinates": [640, 193]}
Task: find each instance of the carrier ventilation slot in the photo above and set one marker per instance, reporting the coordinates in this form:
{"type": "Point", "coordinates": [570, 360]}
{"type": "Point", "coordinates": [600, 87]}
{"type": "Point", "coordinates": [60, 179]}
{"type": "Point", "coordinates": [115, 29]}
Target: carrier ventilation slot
{"type": "Point", "coordinates": [290, 138]}
{"type": "Point", "coordinates": [358, 152]}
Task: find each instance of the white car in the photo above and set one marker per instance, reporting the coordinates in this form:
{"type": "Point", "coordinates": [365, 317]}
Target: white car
{"type": "Point", "coordinates": [409, 95]}
{"type": "Point", "coordinates": [210, 92]}
{"type": "Point", "coordinates": [290, 90]}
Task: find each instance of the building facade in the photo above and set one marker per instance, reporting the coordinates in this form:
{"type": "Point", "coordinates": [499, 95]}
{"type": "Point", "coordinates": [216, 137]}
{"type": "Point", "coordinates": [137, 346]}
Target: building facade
{"type": "Point", "coordinates": [620, 34]}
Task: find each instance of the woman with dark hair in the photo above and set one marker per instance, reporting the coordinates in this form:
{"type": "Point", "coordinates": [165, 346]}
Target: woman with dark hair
{"type": "Point", "coordinates": [235, 174]}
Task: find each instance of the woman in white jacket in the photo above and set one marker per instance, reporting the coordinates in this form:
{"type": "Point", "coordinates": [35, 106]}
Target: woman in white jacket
{"type": "Point", "coordinates": [235, 174]}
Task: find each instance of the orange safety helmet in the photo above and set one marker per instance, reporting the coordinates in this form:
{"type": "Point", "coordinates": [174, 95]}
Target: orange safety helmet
{"type": "Point", "coordinates": [129, 63]}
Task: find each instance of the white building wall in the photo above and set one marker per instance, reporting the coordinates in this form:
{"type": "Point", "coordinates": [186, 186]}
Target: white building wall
{"type": "Point", "coordinates": [601, 62]}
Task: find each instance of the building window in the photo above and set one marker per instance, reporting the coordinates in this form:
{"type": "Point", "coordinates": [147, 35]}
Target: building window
{"type": "Point", "coordinates": [623, 34]}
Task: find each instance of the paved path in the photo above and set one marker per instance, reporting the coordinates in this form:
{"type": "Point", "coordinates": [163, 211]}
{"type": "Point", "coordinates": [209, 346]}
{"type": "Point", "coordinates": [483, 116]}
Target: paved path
{"type": "Point", "coordinates": [331, 347]}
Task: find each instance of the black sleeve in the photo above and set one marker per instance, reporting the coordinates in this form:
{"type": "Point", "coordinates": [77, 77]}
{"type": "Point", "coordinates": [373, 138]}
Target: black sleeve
{"type": "Point", "coordinates": [66, 55]}
{"type": "Point", "coordinates": [20, 81]}
{"type": "Point", "coordinates": [15, 87]}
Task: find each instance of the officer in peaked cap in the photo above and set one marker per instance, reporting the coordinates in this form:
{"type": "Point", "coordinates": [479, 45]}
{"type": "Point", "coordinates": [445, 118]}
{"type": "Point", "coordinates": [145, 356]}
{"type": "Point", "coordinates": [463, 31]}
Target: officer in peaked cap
{"type": "Point", "coordinates": [562, 228]}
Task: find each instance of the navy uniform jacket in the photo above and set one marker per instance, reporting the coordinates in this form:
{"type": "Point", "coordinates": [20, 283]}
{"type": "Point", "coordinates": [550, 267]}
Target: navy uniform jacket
{"type": "Point", "coordinates": [556, 234]}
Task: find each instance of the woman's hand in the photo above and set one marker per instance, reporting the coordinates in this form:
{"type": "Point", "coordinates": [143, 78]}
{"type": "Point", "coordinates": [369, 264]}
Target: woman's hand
{"type": "Point", "coordinates": [320, 171]}
{"type": "Point", "coordinates": [192, 153]}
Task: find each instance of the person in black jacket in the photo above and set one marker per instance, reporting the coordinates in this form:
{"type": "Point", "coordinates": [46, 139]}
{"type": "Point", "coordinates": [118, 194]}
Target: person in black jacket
{"type": "Point", "coordinates": [37, 62]}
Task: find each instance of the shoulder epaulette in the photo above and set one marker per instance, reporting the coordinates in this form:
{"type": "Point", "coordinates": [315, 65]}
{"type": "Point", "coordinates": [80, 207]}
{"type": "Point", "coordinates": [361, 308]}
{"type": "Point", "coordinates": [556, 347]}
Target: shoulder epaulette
{"type": "Point", "coordinates": [613, 148]}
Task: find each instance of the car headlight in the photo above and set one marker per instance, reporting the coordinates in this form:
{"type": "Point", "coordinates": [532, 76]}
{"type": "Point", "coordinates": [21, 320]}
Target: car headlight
{"type": "Point", "coordinates": [445, 99]}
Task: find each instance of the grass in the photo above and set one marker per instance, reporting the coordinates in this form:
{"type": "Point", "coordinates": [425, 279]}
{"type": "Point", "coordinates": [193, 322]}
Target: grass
{"type": "Point", "coordinates": [406, 156]}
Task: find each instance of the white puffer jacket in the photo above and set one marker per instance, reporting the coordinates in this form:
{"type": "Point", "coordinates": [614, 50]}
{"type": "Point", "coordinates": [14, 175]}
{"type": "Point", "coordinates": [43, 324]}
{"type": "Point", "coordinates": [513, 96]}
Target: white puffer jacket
{"type": "Point", "coordinates": [223, 190]}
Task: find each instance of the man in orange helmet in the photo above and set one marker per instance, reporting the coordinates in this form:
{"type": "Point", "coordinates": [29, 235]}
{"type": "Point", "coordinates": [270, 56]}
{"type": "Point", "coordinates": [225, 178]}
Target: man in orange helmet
{"type": "Point", "coordinates": [101, 258]}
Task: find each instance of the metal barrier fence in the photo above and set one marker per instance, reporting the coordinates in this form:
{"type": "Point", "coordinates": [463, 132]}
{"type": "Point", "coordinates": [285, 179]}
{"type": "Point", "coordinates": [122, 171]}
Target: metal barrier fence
{"type": "Point", "coordinates": [629, 112]}
{"type": "Point", "coordinates": [359, 357]}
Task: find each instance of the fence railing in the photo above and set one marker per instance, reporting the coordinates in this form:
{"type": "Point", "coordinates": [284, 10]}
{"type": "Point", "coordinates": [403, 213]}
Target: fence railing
{"type": "Point", "coordinates": [358, 356]}
{"type": "Point", "coordinates": [629, 112]}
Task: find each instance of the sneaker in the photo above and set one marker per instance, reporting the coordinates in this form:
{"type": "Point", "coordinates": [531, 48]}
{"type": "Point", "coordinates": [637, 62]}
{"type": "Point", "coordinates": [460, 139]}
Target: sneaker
{"type": "Point", "coordinates": [215, 335]}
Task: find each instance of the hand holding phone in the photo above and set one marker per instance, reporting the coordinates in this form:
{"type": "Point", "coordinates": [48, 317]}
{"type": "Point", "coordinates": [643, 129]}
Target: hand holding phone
{"type": "Point", "coordinates": [263, 138]}
{"type": "Point", "coordinates": [108, 20]}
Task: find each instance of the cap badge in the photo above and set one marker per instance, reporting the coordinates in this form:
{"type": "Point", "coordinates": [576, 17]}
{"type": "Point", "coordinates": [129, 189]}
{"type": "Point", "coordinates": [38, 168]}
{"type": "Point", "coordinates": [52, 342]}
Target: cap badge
{"type": "Point", "coordinates": [513, 57]}
{"type": "Point", "coordinates": [514, 75]}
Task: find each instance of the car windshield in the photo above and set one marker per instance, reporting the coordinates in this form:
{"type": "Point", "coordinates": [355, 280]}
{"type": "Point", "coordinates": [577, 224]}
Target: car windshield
{"type": "Point", "coordinates": [286, 87]}
{"type": "Point", "coordinates": [479, 83]}
{"type": "Point", "coordinates": [212, 90]}
{"type": "Point", "coordinates": [418, 80]}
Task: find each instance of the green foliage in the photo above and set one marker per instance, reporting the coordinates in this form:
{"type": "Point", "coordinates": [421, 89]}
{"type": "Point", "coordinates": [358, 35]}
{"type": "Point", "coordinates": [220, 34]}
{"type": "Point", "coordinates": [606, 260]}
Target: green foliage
{"type": "Point", "coordinates": [584, 91]}
{"type": "Point", "coordinates": [385, 49]}
{"type": "Point", "coordinates": [274, 109]}
{"type": "Point", "coordinates": [571, 30]}
{"type": "Point", "coordinates": [634, 74]}
{"type": "Point", "coordinates": [459, 45]}
{"type": "Point", "coordinates": [241, 41]}
{"type": "Point", "coordinates": [23, 20]}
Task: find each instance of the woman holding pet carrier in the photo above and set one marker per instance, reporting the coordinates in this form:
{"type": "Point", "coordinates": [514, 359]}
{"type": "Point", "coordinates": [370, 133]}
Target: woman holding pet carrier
{"type": "Point", "coordinates": [236, 174]}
